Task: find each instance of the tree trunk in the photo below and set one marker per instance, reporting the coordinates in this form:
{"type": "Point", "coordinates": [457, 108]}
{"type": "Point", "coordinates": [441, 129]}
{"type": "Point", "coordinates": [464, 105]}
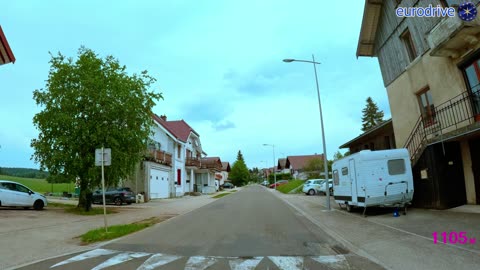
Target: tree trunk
{"type": "Point", "coordinates": [82, 197]}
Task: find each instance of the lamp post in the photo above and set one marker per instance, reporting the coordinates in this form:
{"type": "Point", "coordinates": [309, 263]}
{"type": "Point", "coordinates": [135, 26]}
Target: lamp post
{"type": "Point", "coordinates": [274, 174]}
{"type": "Point", "coordinates": [325, 164]}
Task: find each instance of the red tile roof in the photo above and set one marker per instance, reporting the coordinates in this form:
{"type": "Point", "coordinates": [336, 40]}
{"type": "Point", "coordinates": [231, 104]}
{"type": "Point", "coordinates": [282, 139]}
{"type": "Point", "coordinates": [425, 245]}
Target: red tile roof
{"type": "Point", "coordinates": [281, 163]}
{"type": "Point", "coordinates": [180, 129]}
{"type": "Point", "coordinates": [226, 166]}
{"type": "Point", "coordinates": [6, 54]}
{"type": "Point", "coordinates": [299, 162]}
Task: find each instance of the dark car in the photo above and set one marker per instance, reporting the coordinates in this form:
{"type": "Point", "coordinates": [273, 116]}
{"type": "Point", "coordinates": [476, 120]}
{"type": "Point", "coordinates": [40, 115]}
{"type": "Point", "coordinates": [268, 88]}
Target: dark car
{"type": "Point", "coordinates": [117, 196]}
{"type": "Point", "coordinates": [228, 185]}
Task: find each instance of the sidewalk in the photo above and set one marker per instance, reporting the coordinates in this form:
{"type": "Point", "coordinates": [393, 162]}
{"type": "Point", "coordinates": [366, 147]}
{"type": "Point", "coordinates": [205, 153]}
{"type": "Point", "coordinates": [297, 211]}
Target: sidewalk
{"type": "Point", "coordinates": [29, 236]}
{"type": "Point", "coordinates": [404, 242]}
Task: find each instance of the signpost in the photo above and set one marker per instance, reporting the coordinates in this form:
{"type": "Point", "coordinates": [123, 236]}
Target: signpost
{"type": "Point", "coordinates": [103, 157]}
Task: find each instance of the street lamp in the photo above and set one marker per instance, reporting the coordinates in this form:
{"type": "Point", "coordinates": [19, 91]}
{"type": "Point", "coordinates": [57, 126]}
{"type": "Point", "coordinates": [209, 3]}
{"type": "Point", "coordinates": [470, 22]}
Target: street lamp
{"type": "Point", "coordinates": [274, 174]}
{"type": "Point", "coordinates": [327, 191]}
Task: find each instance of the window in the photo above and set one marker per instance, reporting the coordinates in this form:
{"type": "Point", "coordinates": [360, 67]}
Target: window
{"type": "Point", "coordinates": [179, 177]}
{"type": "Point", "coordinates": [409, 46]}
{"type": "Point", "coordinates": [179, 149]}
{"type": "Point", "coordinates": [372, 146]}
{"type": "Point", "coordinates": [472, 75]}
{"type": "Point", "coordinates": [396, 166]}
{"type": "Point", "coordinates": [189, 153]}
{"type": "Point", "coordinates": [22, 189]}
{"type": "Point", "coordinates": [336, 179]}
{"type": "Point", "coordinates": [344, 171]}
{"type": "Point", "coordinates": [426, 106]}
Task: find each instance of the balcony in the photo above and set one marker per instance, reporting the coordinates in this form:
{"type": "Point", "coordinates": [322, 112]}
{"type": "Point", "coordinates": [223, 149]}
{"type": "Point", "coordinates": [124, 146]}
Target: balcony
{"type": "Point", "coordinates": [158, 156]}
{"type": "Point", "coordinates": [453, 37]}
{"type": "Point", "coordinates": [454, 118]}
{"type": "Point", "coordinates": [192, 162]}
{"type": "Point", "coordinates": [211, 164]}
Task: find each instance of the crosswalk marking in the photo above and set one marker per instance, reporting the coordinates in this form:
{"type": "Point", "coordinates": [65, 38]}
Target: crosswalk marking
{"type": "Point", "coordinates": [244, 264]}
{"type": "Point", "coordinates": [292, 263]}
{"type": "Point", "coordinates": [157, 260]}
{"type": "Point", "coordinates": [203, 262]}
{"type": "Point", "coordinates": [90, 254]}
{"type": "Point", "coordinates": [199, 263]}
{"type": "Point", "coordinates": [121, 258]}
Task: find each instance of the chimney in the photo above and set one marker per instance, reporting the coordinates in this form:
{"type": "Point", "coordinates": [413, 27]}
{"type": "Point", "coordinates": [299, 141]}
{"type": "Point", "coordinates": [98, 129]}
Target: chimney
{"type": "Point", "coordinates": [163, 117]}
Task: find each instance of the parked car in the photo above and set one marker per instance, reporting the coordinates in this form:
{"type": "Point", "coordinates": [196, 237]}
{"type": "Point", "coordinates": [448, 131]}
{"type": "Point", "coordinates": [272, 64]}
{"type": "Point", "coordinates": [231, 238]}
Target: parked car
{"type": "Point", "coordinates": [265, 183]}
{"type": "Point", "coordinates": [16, 194]}
{"type": "Point", "coordinates": [117, 196]}
{"type": "Point", "coordinates": [312, 186]}
{"type": "Point", "coordinates": [279, 183]}
{"type": "Point", "coordinates": [323, 186]}
{"type": "Point", "coordinates": [228, 185]}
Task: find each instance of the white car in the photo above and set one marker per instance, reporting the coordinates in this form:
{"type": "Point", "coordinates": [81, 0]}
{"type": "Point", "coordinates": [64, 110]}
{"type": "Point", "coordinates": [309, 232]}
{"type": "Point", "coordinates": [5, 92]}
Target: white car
{"type": "Point", "coordinates": [312, 186]}
{"type": "Point", "coordinates": [15, 194]}
{"type": "Point", "coordinates": [323, 186]}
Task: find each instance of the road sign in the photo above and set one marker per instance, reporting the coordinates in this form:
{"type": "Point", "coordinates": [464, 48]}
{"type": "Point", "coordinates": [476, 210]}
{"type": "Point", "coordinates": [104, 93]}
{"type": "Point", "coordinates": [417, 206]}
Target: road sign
{"type": "Point", "coordinates": [107, 157]}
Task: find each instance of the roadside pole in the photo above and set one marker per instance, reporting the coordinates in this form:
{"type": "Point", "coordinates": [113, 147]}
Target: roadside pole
{"type": "Point", "coordinates": [103, 192]}
{"type": "Point", "coordinates": [103, 157]}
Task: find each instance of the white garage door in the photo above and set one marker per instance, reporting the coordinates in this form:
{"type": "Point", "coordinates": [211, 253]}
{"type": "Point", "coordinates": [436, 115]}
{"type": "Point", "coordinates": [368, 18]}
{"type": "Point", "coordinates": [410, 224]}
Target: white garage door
{"type": "Point", "coordinates": [158, 184]}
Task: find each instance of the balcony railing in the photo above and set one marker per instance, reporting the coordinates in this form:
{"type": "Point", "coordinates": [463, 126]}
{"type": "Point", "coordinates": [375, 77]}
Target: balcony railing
{"type": "Point", "coordinates": [211, 165]}
{"type": "Point", "coordinates": [192, 162]}
{"type": "Point", "coordinates": [458, 112]}
{"type": "Point", "coordinates": [158, 156]}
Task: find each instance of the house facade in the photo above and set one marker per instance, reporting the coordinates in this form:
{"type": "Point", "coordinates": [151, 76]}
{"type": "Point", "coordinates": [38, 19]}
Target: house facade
{"type": "Point", "coordinates": [170, 163]}
{"type": "Point", "coordinates": [222, 176]}
{"type": "Point", "coordinates": [431, 70]}
{"type": "Point", "coordinates": [296, 165]}
{"type": "Point", "coordinates": [206, 172]}
{"type": "Point", "coordinates": [380, 137]}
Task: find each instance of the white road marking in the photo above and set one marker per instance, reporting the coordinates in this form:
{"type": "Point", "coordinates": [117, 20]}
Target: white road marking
{"type": "Point", "coordinates": [333, 261]}
{"type": "Point", "coordinates": [285, 262]}
{"type": "Point", "coordinates": [87, 255]}
{"type": "Point", "coordinates": [244, 264]}
{"type": "Point", "coordinates": [120, 258]}
{"type": "Point", "coordinates": [199, 263]}
{"type": "Point", "coordinates": [157, 260]}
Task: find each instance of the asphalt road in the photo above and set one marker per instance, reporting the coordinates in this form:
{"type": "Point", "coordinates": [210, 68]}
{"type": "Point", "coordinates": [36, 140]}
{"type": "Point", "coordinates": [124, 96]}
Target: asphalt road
{"type": "Point", "coordinates": [249, 229]}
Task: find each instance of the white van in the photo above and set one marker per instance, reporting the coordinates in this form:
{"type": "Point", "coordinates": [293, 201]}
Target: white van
{"type": "Point", "coordinates": [373, 178]}
{"type": "Point", "coordinates": [15, 194]}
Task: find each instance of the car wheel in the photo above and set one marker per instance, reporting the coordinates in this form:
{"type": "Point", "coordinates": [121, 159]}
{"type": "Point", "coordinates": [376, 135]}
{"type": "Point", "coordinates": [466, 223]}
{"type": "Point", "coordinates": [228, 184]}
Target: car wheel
{"type": "Point", "coordinates": [129, 203]}
{"type": "Point", "coordinates": [349, 208]}
{"type": "Point", "coordinates": [118, 201]}
{"type": "Point", "coordinates": [311, 192]}
{"type": "Point", "coordinates": [38, 205]}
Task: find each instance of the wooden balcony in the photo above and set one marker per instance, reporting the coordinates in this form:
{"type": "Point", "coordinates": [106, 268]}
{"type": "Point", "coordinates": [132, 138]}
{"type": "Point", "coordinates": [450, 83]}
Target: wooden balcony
{"type": "Point", "coordinates": [158, 156]}
{"type": "Point", "coordinates": [211, 163]}
{"type": "Point", "coordinates": [192, 162]}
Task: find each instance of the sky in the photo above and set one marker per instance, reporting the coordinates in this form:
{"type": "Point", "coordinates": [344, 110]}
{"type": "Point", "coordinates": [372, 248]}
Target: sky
{"type": "Point", "coordinates": [218, 65]}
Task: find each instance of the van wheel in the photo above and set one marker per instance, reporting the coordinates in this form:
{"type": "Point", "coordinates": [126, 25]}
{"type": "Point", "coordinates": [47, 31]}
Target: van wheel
{"type": "Point", "coordinates": [349, 207]}
{"type": "Point", "coordinates": [38, 205]}
{"type": "Point", "coordinates": [311, 192]}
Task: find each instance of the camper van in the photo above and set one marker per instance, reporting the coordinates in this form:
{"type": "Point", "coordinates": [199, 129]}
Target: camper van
{"type": "Point", "coordinates": [373, 178]}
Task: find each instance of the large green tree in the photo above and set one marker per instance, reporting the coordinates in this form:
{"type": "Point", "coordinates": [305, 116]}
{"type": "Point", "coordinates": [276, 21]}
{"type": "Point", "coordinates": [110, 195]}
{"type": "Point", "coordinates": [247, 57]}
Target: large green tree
{"type": "Point", "coordinates": [315, 168]}
{"type": "Point", "coordinates": [88, 103]}
{"type": "Point", "coordinates": [239, 172]}
{"type": "Point", "coordinates": [371, 115]}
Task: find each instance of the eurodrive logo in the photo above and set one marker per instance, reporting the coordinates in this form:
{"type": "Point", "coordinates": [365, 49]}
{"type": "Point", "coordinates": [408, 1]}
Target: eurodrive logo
{"type": "Point", "coordinates": [466, 11]}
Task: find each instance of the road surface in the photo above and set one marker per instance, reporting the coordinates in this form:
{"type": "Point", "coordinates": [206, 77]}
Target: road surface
{"type": "Point", "coordinates": [249, 229]}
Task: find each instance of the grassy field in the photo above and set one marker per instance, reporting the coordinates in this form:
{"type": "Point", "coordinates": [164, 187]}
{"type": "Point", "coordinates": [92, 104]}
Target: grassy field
{"type": "Point", "coordinates": [40, 185]}
{"type": "Point", "coordinates": [220, 195]}
{"type": "Point", "coordinates": [290, 186]}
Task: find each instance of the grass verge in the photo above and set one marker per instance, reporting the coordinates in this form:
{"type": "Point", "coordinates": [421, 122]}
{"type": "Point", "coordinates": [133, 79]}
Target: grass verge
{"type": "Point", "coordinates": [220, 195]}
{"type": "Point", "coordinates": [290, 186]}
{"type": "Point", "coordinates": [116, 231]}
{"type": "Point", "coordinates": [233, 190]}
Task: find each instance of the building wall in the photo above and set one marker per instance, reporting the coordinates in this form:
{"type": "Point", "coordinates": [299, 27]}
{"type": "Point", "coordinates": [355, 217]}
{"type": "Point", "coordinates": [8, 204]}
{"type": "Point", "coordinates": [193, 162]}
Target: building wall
{"type": "Point", "coordinates": [378, 141]}
{"type": "Point", "coordinates": [440, 74]}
